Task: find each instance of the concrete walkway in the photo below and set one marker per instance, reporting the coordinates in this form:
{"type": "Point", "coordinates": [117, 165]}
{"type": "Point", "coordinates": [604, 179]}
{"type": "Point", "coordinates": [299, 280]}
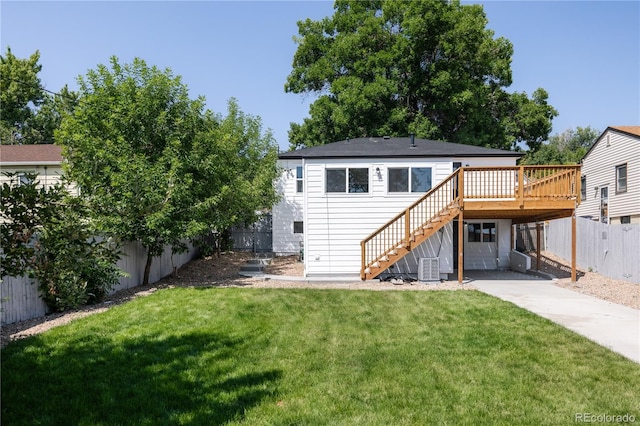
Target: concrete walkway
{"type": "Point", "coordinates": [614, 326]}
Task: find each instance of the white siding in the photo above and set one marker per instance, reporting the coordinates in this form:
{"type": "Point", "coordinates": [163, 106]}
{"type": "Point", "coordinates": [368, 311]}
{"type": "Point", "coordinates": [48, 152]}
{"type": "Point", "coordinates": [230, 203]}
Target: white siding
{"type": "Point", "coordinates": [288, 210]}
{"type": "Point", "coordinates": [47, 175]}
{"type": "Point", "coordinates": [335, 223]}
{"type": "Point", "coordinates": [599, 167]}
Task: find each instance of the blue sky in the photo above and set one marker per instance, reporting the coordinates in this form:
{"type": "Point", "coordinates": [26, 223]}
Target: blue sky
{"type": "Point", "coordinates": [586, 54]}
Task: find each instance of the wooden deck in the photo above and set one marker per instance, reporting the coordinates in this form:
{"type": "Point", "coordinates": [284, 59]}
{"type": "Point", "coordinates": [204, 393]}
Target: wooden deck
{"type": "Point", "coordinates": [523, 194]}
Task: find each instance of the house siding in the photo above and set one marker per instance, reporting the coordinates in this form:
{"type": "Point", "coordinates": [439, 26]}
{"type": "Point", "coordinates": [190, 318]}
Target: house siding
{"type": "Point", "coordinates": [288, 210]}
{"type": "Point", "coordinates": [599, 166]}
{"type": "Point", "coordinates": [336, 223]}
{"type": "Point", "coordinates": [48, 175]}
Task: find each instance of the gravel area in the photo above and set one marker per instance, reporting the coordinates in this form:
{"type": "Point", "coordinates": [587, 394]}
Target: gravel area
{"type": "Point", "coordinates": [590, 283]}
{"type": "Point", "coordinates": [223, 271]}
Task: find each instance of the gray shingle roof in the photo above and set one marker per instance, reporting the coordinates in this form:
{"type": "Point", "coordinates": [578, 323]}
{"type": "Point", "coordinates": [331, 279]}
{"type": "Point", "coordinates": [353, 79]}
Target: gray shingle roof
{"type": "Point", "coordinates": [386, 147]}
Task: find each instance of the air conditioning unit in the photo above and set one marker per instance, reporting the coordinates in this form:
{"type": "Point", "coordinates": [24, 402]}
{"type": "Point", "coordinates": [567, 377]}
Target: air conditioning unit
{"type": "Point", "coordinates": [429, 269]}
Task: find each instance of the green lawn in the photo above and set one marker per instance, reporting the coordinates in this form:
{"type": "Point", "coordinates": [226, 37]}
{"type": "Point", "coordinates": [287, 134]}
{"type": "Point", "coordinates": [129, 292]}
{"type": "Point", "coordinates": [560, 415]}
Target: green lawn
{"type": "Point", "coordinates": [313, 357]}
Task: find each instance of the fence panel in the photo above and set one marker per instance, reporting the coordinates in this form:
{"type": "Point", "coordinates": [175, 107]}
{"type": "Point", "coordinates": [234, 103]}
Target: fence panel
{"type": "Point", "coordinates": [610, 250]}
{"type": "Point", "coordinates": [20, 300]}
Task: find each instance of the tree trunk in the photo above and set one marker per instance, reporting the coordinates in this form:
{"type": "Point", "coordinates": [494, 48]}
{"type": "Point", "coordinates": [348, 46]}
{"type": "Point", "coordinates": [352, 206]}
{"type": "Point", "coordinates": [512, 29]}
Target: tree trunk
{"type": "Point", "coordinates": [147, 268]}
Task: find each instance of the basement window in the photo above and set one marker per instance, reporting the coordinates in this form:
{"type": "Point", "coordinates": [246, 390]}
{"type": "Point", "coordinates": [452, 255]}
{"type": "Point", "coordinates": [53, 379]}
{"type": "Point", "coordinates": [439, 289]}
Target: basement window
{"type": "Point", "coordinates": [482, 232]}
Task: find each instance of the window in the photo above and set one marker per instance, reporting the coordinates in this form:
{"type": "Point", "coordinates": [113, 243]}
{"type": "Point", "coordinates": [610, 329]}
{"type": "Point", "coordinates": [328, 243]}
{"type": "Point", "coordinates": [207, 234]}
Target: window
{"type": "Point", "coordinates": [357, 182]}
{"type": "Point", "coordinates": [625, 219]}
{"type": "Point", "coordinates": [23, 178]}
{"type": "Point", "coordinates": [298, 227]}
{"type": "Point", "coordinates": [299, 181]}
{"type": "Point", "coordinates": [583, 187]}
{"type": "Point", "coordinates": [621, 178]}
{"type": "Point", "coordinates": [482, 232]}
{"type": "Point", "coordinates": [403, 178]}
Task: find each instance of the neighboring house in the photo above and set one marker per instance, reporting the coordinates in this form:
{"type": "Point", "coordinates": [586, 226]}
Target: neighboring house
{"type": "Point", "coordinates": [335, 196]}
{"type": "Point", "coordinates": [611, 177]}
{"type": "Point", "coordinates": [43, 159]}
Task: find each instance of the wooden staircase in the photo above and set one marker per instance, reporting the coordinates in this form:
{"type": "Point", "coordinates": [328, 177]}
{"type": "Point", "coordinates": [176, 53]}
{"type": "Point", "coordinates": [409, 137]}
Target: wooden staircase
{"type": "Point", "coordinates": [412, 227]}
{"type": "Point", "coordinates": [521, 193]}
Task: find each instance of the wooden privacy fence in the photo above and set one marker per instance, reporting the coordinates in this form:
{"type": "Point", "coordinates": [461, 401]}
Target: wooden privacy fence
{"type": "Point", "coordinates": [610, 250]}
{"type": "Point", "coordinates": [20, 299]}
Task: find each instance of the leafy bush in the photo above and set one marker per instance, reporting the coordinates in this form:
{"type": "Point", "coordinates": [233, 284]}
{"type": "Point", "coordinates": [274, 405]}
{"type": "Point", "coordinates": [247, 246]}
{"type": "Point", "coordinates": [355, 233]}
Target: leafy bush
{"type": "Point", "coordinates": [46, 235]}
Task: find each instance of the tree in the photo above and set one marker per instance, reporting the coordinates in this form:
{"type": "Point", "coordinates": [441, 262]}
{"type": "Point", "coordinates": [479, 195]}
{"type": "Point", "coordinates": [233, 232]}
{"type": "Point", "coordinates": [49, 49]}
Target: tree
{"type": "Point", "coordinates": [233, 167]}
{"type": "Point", "coordinates": [383, 67]}
{"type": "Point", "coordinates": [30, 113]}
{"type": "Point", "coordinates": [154, 166]}
{"type": "Point", "coordinates": [567, 147]}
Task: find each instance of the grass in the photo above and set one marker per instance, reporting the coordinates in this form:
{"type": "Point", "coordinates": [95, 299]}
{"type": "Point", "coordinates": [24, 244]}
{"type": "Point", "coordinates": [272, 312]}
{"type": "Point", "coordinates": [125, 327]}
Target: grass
{"type": "Point", "coordinates": [316, 357]}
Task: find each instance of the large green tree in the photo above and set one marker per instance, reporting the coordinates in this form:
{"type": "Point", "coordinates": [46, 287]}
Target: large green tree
{"type": "Point", "coordinates": [153, 165]}
{"type": "Point", "coordinates": [29, 114]}
{"type": "Point", "coordinates": [393, 67]}
{"type": "Point", "coordinates": [567, 147]}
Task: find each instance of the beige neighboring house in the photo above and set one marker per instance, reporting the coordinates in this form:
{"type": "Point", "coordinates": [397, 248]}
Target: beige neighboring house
{"type": "Point", "coordinates": [610, 180]}
{"type": "Point", "coordinates": [44, 159]}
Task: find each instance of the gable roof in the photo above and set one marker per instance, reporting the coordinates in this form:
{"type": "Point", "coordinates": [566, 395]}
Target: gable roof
{"type": "Point", "coordinates": [43, 154]}
{"type": "Point", "coordinates": [388, 147]}
{"type": "Point", "coordinates": [633, 131]}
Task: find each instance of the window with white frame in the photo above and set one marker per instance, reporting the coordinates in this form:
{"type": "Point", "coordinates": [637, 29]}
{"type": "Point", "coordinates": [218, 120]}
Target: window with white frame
{"type": "Point", "coordinates": [299, 179]}
{"type": "Point", "coordinates": [583, 187]}
{"type": "Point", "coordinates": [621, 178]}
{"type": "Point", "coordinates": [482, 232]}
{"type": "Point", "coordinates": [352, 180]}
{"type": "Point", "coordinates": [24, 178]}
{"type": "Point", "coordinates": [409, 179]}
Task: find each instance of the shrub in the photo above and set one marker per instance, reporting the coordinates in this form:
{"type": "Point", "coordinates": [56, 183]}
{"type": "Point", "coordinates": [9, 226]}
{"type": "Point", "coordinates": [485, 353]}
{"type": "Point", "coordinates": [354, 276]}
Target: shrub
{"type": "Point", "coordinates": [47, 236]}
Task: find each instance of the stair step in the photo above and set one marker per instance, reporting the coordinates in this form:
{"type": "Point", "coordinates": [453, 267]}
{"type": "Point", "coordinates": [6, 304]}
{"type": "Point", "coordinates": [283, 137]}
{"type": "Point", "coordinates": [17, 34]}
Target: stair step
{"type": "Point", "coordinates": [252, 268]}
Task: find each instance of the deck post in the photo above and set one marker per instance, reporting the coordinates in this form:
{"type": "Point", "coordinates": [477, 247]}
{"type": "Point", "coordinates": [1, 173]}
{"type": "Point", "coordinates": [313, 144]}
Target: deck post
{"type": "Point", "coordinates": [362, 260]}
{"type": "Point", "coordinates": [521, 186]}
{"type": "Point", "coordinates": [537, 246]}
{"type": "Point", "coordinates": [573, 247]}
{"type": "Point", "coordinates": [460, 247]}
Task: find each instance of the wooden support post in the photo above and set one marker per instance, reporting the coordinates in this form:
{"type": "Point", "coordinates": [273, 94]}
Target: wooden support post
{"type": "Point", "coordinates": [521, 186]}
{"type": "Point", "coordinates": [513, 236]}
{"type": "Point", "coordinates": [460, 247]}
{"type": "Point", "coordinates": [537, 246]}
{"type": "Point", "coordinates": [573, 247]}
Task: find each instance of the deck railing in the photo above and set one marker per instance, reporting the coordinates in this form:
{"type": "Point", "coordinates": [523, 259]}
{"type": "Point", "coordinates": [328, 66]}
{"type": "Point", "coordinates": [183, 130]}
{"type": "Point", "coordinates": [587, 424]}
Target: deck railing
{"type": "Point", "coordinates": [474, 183]}
{"type": "Point", "coordinates": [521, 182]}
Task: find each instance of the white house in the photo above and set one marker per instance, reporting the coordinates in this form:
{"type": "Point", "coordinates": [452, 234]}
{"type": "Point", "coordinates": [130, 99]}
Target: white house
{"type": "Point", "coordinates": [335, 195]}
{"type": "Point", "coordinates": [43, 159]}
{"type": "Point", "coordinates": [610, 178]}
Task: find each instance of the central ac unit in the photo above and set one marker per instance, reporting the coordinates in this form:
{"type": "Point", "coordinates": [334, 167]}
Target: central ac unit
{"type": "Point", "coordinates": [429, 269]}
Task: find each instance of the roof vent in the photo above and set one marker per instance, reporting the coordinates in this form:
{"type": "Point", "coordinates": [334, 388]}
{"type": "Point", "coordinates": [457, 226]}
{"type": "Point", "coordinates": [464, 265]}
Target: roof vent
{"type": "Point", "coordinates": [413, 140]}
{"type": "Point", "coordinates": [386, 137]}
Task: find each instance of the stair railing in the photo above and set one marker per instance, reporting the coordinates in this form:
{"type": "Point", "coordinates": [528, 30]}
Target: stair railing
{"type": "Point", "coordinates": [399, 232]}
